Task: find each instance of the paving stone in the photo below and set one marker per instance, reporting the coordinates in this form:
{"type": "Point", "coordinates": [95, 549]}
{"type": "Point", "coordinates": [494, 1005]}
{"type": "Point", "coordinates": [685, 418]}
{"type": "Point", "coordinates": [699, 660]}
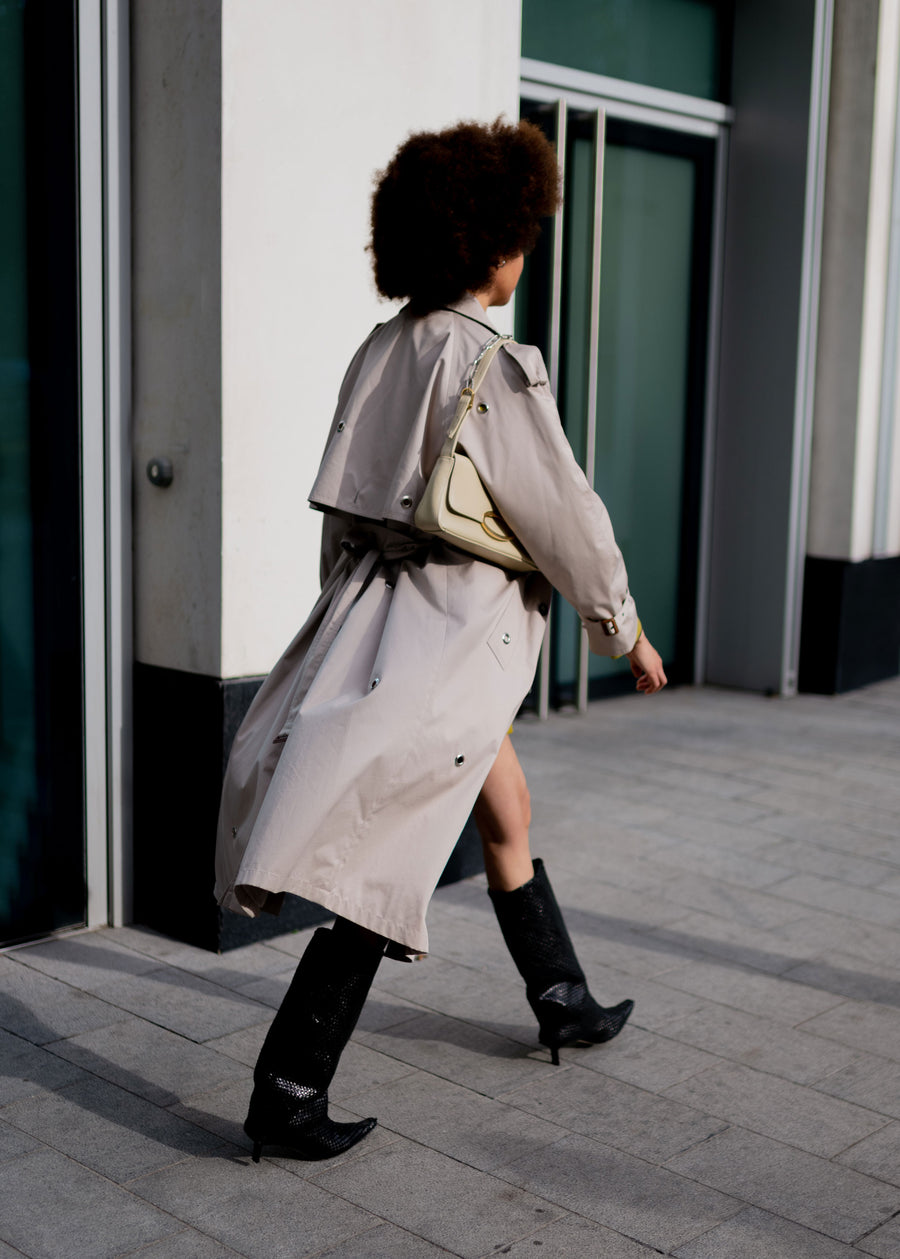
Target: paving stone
{"type": "Point", "coordinates": [384, 1009]}
{"type": "Point", "coordinates": [464, 993]}
{"type": "Point", "coordinates": [109, 1130]}
{"type": "Point", "coordinates": [875, 1029]}
{"type": "Point", "coordinates": [777, 1108]}
{"type": "Point", "coordinates": [599, 903]}
{"type": "Point", "coordinates": [721, 864]}
{"type": "Point", "coordinates": [182, 1002]}
{"type": "Point", "coordinates": [877, 822]}
{"type": "Point", "coordinates": [649, 1204]}
{"type": "Point", "coordinates": [883, 1242]}
{"type": "Point", "coordinates": [627, 1118]}
{"type": "Point", "coordinates": [734, 838]}
{"type": "Point", "coordinates": [447, 1203]}
{"type": "Point", "coordinates": [268, 990]}
{"type": "Point", "coordinates": [385, 1241]}
{"type": "Point", "coordinates": [7, 1252]}
{"type": "Point", "coordinates": [149, 1061]}
{"type": "Point", "coordinates": [53, 1208]}
{"type": "Point", "coordinates": [232, 969]}
{"type": "Point", "coordinates": [734, 943]}
{"type": "Point", "coordinates": [40, 1009]}
{"type": "Point", "coordinates": [242, 1046]}
{"type": "Point", "coordinates": [260, 1210]}
{"type": "Point", "coordinates": [878, 1155]}
{"type": "Point", "coordinates": [479, 945]}
{"type": "Point", "coordinates": [867, 1081]}
{"type": "Point", "coordinates": [813, 858]}
{"type": "Point", "coordinates": [86, 961]}
{"type": "Point", "coordinates": [781, 1000]}
{"type": "Point", "coordinates": [824, 934]}
{"type": "Point", "coordinates": [13, 1142]}
{"type": "Point", "coordinates": [633, 951]}
{"type": "Point", "coordinates": [572, 1237]}
{"type": "Point", "coordinates": [786, 1181]}
{"type": "Point", "coordinates": [864, 903]}
{"type": "Point", "coordinates": [466, 1125]}
{"type": "Point", "coordinates": [848, 976]}
{"type": "Point", "coordinates": [755, 1234]}
{"type": "Point", "coordinates": [821, 829]}
{"type": "Point", "coordinates": [25, 1069]}
{"type": "Point", "coordinates": [460, 1052]}
{"type": "Point", "coordinates": [760, 1043]}
{"type": "Point", "coordinates": [186, 1245]}
{"type": "Point", "coordinates": [642, 1058]}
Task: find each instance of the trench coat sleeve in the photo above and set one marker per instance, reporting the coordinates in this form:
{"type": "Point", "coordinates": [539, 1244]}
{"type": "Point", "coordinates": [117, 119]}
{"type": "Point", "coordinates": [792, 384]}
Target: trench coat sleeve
{"type": "Point", "coordinates": [525, 461]}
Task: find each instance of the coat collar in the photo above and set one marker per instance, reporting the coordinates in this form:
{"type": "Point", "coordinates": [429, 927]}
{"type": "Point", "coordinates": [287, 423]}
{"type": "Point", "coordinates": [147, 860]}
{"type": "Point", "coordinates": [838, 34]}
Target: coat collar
{"type": "Point", "coordinates": [469, 306]}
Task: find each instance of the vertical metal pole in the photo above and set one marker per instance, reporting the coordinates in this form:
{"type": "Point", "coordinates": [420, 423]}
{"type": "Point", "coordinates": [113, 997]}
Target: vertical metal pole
{"type": "Point", "coordinates": [590, 440]}
{"type": "Point", "coordinates": [553, 367]}
{"type": "Point", "coordinates": [90, 225]}
{"type": "Point", "coordinates": [117, 190]}
{"type": "Point", "coordinates": [804, 394]}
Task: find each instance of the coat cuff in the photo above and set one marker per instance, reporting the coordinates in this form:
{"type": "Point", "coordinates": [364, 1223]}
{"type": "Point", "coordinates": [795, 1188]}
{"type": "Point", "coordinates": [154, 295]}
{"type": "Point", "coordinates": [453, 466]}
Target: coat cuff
{"type": "Point", "coordinates": [616, 635]}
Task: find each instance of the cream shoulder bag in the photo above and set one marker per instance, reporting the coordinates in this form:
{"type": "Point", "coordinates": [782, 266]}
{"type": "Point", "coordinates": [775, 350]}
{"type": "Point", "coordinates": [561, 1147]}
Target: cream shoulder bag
{"type": "Point", "coordinates": [455, 505]}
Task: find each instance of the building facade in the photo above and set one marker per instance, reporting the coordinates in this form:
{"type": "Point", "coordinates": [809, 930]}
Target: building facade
{"type": "Point", "coordinates": [183, 278]}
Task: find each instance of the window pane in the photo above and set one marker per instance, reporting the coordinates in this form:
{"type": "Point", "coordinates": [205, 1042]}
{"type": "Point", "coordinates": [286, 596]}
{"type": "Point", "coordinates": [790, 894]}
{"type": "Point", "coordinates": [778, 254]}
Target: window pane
{"type": "Point", "coordinates": [681, 45]}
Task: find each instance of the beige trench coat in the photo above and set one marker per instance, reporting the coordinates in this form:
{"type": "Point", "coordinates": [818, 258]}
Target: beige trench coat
{"type": "Point", "coordinates": [362, 754]}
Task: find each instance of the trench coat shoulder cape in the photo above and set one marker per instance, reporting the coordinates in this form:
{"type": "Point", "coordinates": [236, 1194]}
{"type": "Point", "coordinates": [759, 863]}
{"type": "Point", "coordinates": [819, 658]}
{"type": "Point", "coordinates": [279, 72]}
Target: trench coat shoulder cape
{"type": "Point", "coordinates": [362, 754]}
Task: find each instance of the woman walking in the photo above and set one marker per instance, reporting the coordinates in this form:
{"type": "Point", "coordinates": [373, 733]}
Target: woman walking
{"type": "Point", "coordinates": [386, 721]}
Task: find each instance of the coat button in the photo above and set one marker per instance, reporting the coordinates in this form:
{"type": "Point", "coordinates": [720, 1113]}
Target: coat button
{"type": "Point", "coordinates": [506, 639]}
{"type": "Point", "coordinates": [406, 501]}
{"type": "Point", "coordinates": [375, 681]}
{"type": "Point", "coordinates": [459, 760]}
{"type": "Point", "coordinates": [340, 427]}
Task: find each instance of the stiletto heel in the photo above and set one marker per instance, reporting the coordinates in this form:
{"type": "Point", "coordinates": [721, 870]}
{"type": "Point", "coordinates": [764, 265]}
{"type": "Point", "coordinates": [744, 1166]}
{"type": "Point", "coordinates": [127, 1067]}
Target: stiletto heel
{"type": "Point", "coordinates": [257, 1150]}
{"type": "Point", "coordinates": [557, 990]}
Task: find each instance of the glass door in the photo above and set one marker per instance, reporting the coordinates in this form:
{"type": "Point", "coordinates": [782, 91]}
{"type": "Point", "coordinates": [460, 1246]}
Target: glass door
{"type": "Point", "coordinates": [633, 303]}
{"type": "Point", "coordinates": [42, 884]}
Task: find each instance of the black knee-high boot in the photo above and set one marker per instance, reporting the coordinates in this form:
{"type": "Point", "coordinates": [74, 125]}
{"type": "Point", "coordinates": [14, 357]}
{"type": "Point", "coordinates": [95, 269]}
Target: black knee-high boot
{"type": "Point", "coordinates": [289, 1105]}
{"type": "Point", "coordinates": [557, 991]}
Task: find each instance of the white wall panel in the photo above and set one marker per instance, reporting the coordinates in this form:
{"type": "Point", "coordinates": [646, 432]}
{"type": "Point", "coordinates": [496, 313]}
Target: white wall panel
{"type": "Point", "coordinates": [315, 99]}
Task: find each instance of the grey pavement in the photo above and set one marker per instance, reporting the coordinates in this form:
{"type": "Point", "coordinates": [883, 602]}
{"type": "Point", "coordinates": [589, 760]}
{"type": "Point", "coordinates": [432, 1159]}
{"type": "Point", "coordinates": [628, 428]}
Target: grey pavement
{"type": "Point", "coordinates": [731, 862]}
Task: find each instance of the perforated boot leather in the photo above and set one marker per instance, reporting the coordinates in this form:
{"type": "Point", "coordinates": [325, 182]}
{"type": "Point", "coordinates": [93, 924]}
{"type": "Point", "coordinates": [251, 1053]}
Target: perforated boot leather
{"type": "Point", "coordinates": [536, 936]}
{"type": "Point", "coordinates": [289, 1105]}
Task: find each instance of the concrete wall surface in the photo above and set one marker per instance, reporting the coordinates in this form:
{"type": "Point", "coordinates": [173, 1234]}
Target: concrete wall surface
{"type": "Point", "coordinates": [257, 129]}
{"type": "Point", "coordinates": [316, 98]}
{"type": "Point", "coordinates": [176, 296]}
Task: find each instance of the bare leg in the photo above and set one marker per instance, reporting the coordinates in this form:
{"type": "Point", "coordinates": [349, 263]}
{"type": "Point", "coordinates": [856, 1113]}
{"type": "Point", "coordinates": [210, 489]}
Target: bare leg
{"type": "Point", "coordinates": [503, 815]}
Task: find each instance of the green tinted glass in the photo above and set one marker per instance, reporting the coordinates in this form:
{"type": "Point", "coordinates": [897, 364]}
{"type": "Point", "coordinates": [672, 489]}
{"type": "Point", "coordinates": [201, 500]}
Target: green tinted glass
{"type": "Point", "coordinates": [18, 769]}
{"type": "Point", "coordinates": [645, 301]}
{"type": "Point", "coordinates": [681, 45]}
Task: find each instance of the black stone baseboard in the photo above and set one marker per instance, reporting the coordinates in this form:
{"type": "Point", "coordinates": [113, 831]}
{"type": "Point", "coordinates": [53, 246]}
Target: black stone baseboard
{"type": "Point", "coordinates": [184, 724]}
{"type": "Point", "coordinates": [850, 634]}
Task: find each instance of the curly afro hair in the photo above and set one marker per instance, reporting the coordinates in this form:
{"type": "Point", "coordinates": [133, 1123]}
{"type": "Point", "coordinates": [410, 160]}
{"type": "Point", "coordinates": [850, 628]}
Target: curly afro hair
{"type": "Point", "coordinates": [452, 204]}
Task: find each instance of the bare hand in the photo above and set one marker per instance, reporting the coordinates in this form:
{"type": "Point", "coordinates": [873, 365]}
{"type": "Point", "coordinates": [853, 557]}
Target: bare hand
{"type": "Point", "coordinates": [647, 667]}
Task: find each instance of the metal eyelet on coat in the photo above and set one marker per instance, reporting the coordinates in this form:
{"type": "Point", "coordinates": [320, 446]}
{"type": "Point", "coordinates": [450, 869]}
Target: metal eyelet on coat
{"type": "Point", "coordinates": [340, 427]}
{"type": "Point", "coordinates": [375, 682]}
{"type": "Point", "coordinates": [506, 639]}
{"type": "Point", "coordinates": [482, 408]}
{"type": "Point", "coordinates": [459, 760]}
{"type": "Point", "coordinates": [406, 501]}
